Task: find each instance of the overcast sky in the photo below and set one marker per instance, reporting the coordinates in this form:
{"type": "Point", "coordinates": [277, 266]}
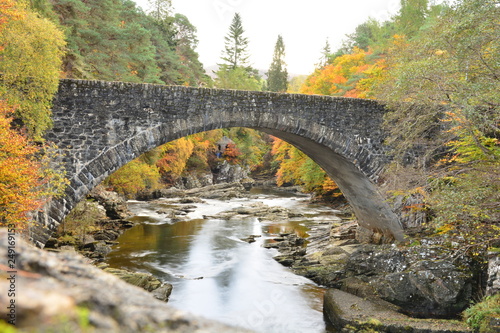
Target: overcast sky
{"type": "Point", "coordinates": [305, 26]}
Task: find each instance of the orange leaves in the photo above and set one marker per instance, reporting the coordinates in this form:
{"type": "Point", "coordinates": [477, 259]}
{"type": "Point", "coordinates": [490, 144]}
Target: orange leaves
{"type": "Point", "coordinates": [232, 153]}
{"type": "Point", "coordinates": [21, 178]}
{"type": "Point", "coordinates": [9, 11]}
{"type": "Point", "coordinates": [349, 75]}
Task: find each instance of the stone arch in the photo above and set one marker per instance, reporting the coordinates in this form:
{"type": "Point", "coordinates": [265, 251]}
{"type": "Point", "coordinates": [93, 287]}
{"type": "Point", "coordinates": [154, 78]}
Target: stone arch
{"type": "Point", "coordinates": [101, 126]}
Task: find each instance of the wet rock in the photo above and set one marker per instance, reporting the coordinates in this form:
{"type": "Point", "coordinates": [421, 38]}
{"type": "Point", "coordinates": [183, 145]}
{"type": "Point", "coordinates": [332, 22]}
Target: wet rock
{"type": "Point", "coordinates": [145, 281]}
{"type": "Point", "coordinates": [106, 235]}
{"type": "Point", "coordinates": [163, 292]}
{"type": "Point", "coordinates": [350, 313]}
{"type": "Point", "coordinates": [96, 250]}
{"type": "Point", "coordinates": [250, 239]}
{"type": "Point", "coordinates": [188, 200]}
{"type": "Point", "coordinates": [63, 293]}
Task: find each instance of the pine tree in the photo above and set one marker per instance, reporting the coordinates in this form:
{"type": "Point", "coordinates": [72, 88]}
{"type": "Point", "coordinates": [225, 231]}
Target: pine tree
{"type": "Point", "coordinates": [235, 53]}
{"type": "Point", "coordinates": [326, 53]}
{"type": "Point", "coordinates": [160, 9]}
{"type": "Point", "coordinates": [277, 76]}
{"type": "Point", "coordinates": [236, 73]}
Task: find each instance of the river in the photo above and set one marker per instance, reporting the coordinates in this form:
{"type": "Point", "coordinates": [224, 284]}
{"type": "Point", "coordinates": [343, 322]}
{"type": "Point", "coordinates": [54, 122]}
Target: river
{"type": "Point", "coordinates": [217, 275]}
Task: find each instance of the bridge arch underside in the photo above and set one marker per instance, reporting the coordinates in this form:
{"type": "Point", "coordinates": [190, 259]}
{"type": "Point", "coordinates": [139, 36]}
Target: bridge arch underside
{"type": "Point", "coordinates": [353, 167]}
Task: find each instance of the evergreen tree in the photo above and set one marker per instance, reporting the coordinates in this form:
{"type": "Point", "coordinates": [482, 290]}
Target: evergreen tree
{"type": "Point", "coordinates": [277, 76]}
{"type": "Point", "coordinates": [326, 54]}
{"type": "Point", "coordinates": [160, 9]}
{"type": "Point", "coordinates": [185, 44]}
{"type": "Point", "coordinates": [236, 73]}
{"type": "Point", "coordinates": [235, 53]}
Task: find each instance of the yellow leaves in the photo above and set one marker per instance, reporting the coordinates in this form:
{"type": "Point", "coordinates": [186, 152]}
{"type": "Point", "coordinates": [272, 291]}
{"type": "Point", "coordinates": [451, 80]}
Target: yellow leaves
{"type": "Point", "coordinates": [135, 177]}
{"type": "Point", "coordinates": [445, 229]}
{"type": "Point", "coordinates": [175, 156]}
{"type": "Point", "coordinates": [31, 61]}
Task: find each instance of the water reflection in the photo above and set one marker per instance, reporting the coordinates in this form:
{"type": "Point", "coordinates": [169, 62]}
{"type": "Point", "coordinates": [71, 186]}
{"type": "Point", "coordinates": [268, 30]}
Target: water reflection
{"type": "Point", "coordinates": [217, 275]}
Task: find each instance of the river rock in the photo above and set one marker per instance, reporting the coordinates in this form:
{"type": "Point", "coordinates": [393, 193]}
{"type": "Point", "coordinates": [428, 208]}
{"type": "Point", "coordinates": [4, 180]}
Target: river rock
{"type": "Point", "coordinates": [115, 206]}
{"type": "Point", "coordinates": [146, 281]}
{"type": "Point", "coordinates": [60, 292]}
{"type": "Point", "coordinates": [350, 313]}
{"type": "Point", "coordinates": [171, 192]}
{"type": "Point", "coordinates": [425, 281]}
{"type": "Point", "coordinates": [196, 180]}
{"type": "Point", "coordinates": [218, 191]}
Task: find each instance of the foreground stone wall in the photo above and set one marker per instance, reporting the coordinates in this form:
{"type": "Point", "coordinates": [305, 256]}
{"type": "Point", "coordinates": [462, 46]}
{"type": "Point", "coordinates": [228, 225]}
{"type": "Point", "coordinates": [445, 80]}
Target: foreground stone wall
{"type": "Point", "coordinates": [100, 126]}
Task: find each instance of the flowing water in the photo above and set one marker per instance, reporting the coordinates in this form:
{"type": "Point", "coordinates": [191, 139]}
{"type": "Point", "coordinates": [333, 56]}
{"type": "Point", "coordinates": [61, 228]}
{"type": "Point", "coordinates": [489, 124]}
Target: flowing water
{"type": "Point", "coordinates": [217, 275]}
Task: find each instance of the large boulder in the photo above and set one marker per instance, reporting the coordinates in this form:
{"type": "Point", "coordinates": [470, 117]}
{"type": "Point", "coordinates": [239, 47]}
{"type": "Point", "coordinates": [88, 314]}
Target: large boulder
{"type": "Point", "coordinates": [424, 281]}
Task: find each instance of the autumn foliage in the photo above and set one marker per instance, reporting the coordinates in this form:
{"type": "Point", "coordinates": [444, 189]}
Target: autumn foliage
{"type": "Point", "coordinates": [21, 176]}
{"type": "Point", "coordinates": [297, 168]}
{"type": "Point", "coordinates": [349, 75]}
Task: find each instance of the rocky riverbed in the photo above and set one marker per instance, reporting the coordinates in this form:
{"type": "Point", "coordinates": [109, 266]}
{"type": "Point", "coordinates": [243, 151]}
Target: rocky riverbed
{"type": "Point", "coordinates": [425, 279]}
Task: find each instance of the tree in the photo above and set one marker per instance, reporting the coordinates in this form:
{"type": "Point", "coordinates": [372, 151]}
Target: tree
{"type": "Point", "coordinates": [411, 16]}
{"type": "Point", "coordinates": [26, 181]}
{"type": "Point", "coordinates": [237, 78]}
{"type": "Point", "coordinates": [296, 82]}
{"type": "Point", "coordinates": [134, 178]}
{"type": "Point", "coordinates": [350, 75]}
{"type": "Point", "coordinates": [297, 168]}
{"type": "Point", "coordinates": [235, 73]}
{"type": "Point", "coordinates": [30, 52]}
{"type": "Point", "coordinates": [160, 9]}
{"type": "Point", "coordinates": [185, 44]}
{"type": "Point", "coordinates": [452, 63]}
{"type": "Point", "coordinates": [235, 52]}
{"type": "Point", "coordinates": [326, 54]}
{"type": "Point", "coordinates": [277, 76]}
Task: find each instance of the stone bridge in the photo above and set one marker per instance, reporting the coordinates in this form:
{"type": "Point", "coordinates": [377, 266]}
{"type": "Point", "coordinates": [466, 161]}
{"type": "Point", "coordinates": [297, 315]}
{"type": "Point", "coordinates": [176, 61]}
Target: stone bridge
{"type": "Point", "coordinates": [100, 126]}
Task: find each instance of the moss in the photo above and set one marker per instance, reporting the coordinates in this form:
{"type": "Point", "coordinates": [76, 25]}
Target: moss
{"type": "Point", "coordinates": [482, 316]}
